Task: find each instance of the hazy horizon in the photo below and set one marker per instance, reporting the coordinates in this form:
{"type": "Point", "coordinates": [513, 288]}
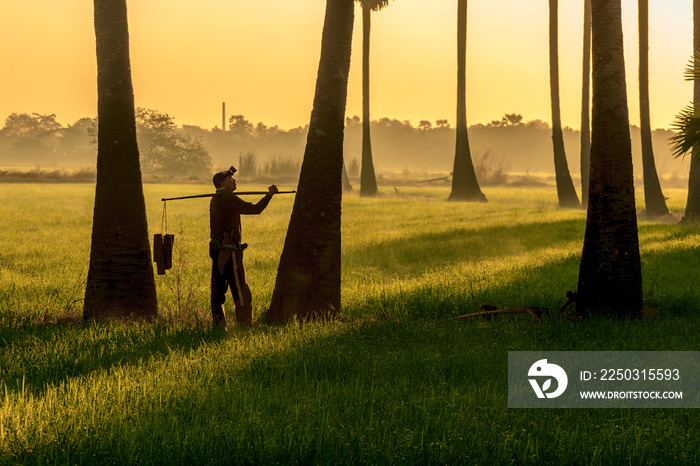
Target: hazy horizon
{"type": "Point", "coordinates": [522, 147]}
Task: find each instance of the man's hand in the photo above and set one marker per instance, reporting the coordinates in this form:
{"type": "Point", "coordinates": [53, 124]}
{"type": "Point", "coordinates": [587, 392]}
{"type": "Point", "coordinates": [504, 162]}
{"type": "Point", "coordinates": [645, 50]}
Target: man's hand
{"type": "Point", "coordinates": [272, 190]}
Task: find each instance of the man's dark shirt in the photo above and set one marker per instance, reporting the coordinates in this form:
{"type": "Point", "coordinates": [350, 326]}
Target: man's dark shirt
{"type": "Point", "coordinates": [225, 210]}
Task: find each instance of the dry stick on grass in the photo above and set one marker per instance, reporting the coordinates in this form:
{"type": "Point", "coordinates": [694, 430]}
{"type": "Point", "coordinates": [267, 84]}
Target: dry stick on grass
{"type": "Point", "coordinates": [493, 310]}
{"type": "Point", "coordinates": [536, 311]}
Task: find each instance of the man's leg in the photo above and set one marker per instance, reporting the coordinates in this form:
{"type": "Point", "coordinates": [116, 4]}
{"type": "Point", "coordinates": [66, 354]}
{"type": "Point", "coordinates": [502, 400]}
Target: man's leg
{"type": "Point", "coordinates": [244, 307]}
{"type": "Point", "coordinates": [219, 286]}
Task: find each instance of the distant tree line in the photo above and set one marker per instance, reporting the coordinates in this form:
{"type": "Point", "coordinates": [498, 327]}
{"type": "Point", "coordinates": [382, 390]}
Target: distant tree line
{"type": "Point", "coordinates": [169, 150]}
{"type": "Point", "coordinates": [524, 145]}
{"type": "Point", "coordinates": [40, 140]}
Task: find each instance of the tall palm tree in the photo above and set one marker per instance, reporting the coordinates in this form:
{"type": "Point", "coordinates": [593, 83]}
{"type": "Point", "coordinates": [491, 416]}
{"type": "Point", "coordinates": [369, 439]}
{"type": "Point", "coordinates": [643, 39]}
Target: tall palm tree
{"type": "Point", "coordinates": [368, 179]}
{"type": "Point", "coordinates": [585, 103]}
{"type": "Point", "coordinates": [308, 276]}
{"type": "Point", "coordinates": [465, 186]}
{"type": "Point", "coordinates": [653, 196]}
{"type": "Point", "coordinates": [120, 278]}
{"type": "Point", "coordinates": [565, 186]}
{"type": "Point", "coordinates": [610, 279]}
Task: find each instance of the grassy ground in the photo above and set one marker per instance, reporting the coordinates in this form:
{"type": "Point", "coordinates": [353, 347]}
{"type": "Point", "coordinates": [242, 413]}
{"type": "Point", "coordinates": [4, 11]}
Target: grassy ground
{"type": "Point", "coordinates": [389, 384]}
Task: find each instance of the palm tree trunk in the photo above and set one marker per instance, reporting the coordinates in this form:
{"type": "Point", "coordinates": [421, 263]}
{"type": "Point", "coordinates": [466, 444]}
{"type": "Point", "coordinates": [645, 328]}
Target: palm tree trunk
{"type": "Point", "coordinates": [585, 103]}
{"type": "Point", "coordinates": [565, 186]}
{"type": "Point", "coordinates": [653, 196]}
{"type": "Point", "coordinates": [308, 276]}
{"type": "Point", "coordinates": [610, 279]}
{"type": "Point", "coordinates": [368, 179]}
{"type": "Point", "coordinates": [465, 186]}
{"type": "Point", "coordinates": [692, 207]}
{"type": "Point", "coordinates": [120, 278]}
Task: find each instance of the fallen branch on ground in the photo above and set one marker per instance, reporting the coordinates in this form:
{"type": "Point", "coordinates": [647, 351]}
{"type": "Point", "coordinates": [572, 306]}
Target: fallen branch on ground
{"type": "Point", "coordinates": [493, 310]}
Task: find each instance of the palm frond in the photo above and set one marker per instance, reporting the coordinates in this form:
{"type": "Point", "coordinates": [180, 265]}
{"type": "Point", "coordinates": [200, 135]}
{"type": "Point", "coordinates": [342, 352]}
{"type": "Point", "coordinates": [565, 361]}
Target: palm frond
{"type": "Point", "coordinates": [686, 124]}
{"type": "Point", "coordinates": [373, 5]}
{"type": "Point", "coordinates": [687, 127]}
{"type": "Point", "coordinates": [692, 69]}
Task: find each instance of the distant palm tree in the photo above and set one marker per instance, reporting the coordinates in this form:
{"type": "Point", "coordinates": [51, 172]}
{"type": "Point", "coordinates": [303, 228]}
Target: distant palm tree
{"type": "Point", "coordinates": [465, 186]}
{"type": "Point", "coordinates": [585, 103]}
{"type": "Point", "coordinates": [368, 179]}
{"type": "Point", "coordinates": [610, 279]}
{"type": "Point", "coordinates": [308, 276]}
{"type": "Point", "coordinates": [653, 196]}
{"type": "Point", "coordinates": [687, 124]}
{"type": "Point", "coordinates": [565, 186]}
{"type": "Point", "coordinates": [347, 187]}
{"type": "Point", "coordinates": [120, 278]}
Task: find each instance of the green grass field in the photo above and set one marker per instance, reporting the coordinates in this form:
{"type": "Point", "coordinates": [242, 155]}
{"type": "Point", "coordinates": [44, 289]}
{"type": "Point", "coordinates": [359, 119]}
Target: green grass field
{"type": "Point", "coordinates": [394, 382]}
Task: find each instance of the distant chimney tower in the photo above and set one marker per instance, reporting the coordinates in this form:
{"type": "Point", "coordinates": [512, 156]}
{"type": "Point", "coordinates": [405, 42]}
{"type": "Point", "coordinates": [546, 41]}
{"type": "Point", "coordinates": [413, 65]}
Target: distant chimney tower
{"type": "Point", "coordinates": [223, 116]}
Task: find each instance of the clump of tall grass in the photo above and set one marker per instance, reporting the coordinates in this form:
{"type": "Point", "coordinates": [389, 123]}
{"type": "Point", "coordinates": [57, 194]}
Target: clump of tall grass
{"type": "Point", "coordinates": [276, 166]}
{"type": "Point", "coordinates": [247, 165]}
{"type": "Point", "coordinates": [353, 168]}
{"type": "Point", "coordinates": [490, 168]}
{"type": "Point", "coordinates": [281, 166]}
{"type": "Point", "coordinates": [183, 301]}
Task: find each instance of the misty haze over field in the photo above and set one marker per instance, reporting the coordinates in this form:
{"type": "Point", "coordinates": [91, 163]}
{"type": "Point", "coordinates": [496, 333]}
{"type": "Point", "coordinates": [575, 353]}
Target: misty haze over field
{"type": "Point", "coordinates": [426, 147]}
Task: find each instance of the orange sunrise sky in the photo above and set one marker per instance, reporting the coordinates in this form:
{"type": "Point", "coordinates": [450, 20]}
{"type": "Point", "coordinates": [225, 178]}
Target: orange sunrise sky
{"type": "Point", "coordinates": [261, 58]}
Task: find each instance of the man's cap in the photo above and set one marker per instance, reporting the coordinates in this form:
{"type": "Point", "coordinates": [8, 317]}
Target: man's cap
{"type": "Point", "coordinates": [219, 177]}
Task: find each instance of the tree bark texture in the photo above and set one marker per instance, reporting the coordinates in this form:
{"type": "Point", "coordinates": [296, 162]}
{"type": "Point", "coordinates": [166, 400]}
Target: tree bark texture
{"type": "Point", "coordinates": [368, 179]}
{"type": "Point", "coordinates": [308, 276]}
{"type": "Point", "coordinates": [692, 207]}
{"type": "Point", "coordinates": [465, 186]}
{"type": "Point", "coordinates": [120, 278]}
{"type": "Point", "coordinates": [653, 196]}
{"type": "Point", "coordinates": [565, 186]}
{"type": "Point", "coordinates": [610, 280]}
{"type": "Point", "coordinates": [585, 103]}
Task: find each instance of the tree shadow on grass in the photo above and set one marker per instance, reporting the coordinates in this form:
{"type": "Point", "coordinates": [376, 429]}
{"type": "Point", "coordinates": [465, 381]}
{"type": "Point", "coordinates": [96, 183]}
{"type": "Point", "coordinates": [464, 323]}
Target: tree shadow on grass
{"type": "Point", "coordinates": [39, 356]}
{"type": "Point", "coordinates": [399, 392]}
{"type": "Point", "coordinates": [405, 390]}
{"type": "Point", "coordinates": [413, 254]}
{"type": "Point", "coordinates": [36, 357]}
{"type": "Point", "coordinates": [670, 278]}
{"type": "Point", "coordinates": [45, 355]}
{"type": "Point", "coordinates": [432, 250]}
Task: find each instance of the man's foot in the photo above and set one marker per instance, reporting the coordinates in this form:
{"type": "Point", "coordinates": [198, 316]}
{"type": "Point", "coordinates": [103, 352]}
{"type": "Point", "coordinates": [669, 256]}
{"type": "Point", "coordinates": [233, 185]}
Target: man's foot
{"type": "Point", "coordinates": [218, 318]}
{"type": "Point", "coordinates": [219, 326]}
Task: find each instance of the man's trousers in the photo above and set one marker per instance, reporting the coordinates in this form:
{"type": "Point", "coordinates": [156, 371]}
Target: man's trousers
{"type": "Point", "coordinates": [233, 277]}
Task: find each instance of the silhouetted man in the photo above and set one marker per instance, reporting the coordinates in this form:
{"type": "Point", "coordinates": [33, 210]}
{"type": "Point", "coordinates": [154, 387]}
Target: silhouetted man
{"type": "Point", "coordinates": [226, 249]}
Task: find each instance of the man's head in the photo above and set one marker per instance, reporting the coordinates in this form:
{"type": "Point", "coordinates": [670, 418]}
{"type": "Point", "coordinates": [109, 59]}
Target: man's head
{"type": "Point", "coordinates": [225, 179]}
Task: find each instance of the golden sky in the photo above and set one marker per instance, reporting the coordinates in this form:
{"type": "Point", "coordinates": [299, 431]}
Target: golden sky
{"type": "Point", "coordinates": [261, 58]}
